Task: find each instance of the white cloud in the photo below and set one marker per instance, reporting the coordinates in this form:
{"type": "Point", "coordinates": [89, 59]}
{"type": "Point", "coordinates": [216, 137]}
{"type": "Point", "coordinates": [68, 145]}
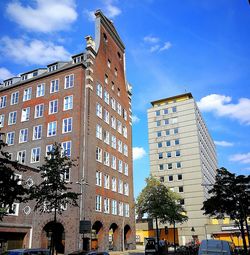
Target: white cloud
{"type": "Point", "coordinates": [5, 74]}
{"type": "Point", "coordinates": [151, 39]}
{"type": "Point", "coordinates": [90, 15]}
{"type": "Point", "coordinates": [138, 153]}
{"type": "Point", "coordinates": [221, 106]}
{"type": "Point", "coordinates": [32, 52]}
{"type": "Point", "coordinates": [223, 143]}
{"type": "Point", "coordinates": [135, 119]}
{"type": "Point", "coordinates": [154, 48]}
{"type": "Point", "coordinates": [242, 158]}
{"type": "Point", "coordinates": [45, 16]}
{"type": "Point", "coordinates": [166, 46]}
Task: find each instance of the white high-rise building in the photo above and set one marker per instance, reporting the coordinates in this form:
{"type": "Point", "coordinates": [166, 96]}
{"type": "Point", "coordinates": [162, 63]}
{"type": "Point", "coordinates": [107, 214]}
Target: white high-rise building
{"type": "Point", "coordinates": [183, 156]}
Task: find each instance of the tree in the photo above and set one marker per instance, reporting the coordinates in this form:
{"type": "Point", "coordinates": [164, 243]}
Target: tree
{"type": "Point", "coordinates": [52, 195]}
{"type": "Point", "coordinates": [160, 204]}
{"type": "Point", "coordinates": [12, 188]}
{"type": "Point", "coordinates": [230, 196]}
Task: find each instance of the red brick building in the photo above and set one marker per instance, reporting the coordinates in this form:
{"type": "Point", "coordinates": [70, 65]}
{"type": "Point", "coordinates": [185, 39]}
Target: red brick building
{"type": "Point", "coordinates": [85, 104]}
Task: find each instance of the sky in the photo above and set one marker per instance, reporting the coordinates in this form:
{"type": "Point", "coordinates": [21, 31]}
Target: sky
{"type": "Point", "coordinates": [172, 47]}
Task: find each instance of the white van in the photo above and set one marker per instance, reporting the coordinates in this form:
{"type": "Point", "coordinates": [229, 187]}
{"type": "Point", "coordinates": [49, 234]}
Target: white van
{"type": "Point", "coordinates": [215, 247]}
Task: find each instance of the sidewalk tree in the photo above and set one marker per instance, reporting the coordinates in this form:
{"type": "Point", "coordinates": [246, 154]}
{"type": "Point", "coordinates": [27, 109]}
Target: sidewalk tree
{"type": "Point", "coordinates": [53, 194]}
{"type": "Point", "coordinates": [230, 196]}
{"type": "Point", "coordinates": [12, 188]}
{"type": "Point", "coordinates": [159, 203]}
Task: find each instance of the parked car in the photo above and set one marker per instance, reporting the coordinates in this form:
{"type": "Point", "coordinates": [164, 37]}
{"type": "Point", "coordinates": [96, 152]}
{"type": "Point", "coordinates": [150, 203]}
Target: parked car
{"type": "Point", "coordinates": [35, 251]}
{"type": "Point", "coordinates": [151, 247]}
{"type": "Point", "coordinates": [89, 253]}
{"type": "Point", "coordinates": [215, 247]}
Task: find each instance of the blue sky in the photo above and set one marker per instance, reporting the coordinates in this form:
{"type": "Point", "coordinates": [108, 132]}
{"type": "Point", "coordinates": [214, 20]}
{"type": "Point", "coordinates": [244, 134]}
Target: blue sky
{"type": "Point", "coordinates": [172, 46]}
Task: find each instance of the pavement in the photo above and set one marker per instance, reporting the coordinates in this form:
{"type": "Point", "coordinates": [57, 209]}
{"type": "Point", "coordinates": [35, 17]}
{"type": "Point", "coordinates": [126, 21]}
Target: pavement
{"type": "Point", "coordinates": [128, 252]}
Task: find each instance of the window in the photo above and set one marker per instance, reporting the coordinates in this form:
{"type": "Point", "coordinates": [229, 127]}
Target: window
{"type": "Point", "coordinates": [176, 131]}
{"type": "Point", "coordinates": [177, 153]}
{"type": "Point", "coordinates": [98, 177]}
{"type": "Point", "coordinates": [106, 205]}
{"type": "Point", "coordinates": [166, 121]}
{"type": "Point", "coordinates": [27, 94]}
{"type": "Point", "coordinates": [106, 158]}
{"type": "Point", "coordinates": [167, 132]}
{"type": "Point", "coordinates": [114, 207]}
{"type": "Point", "coordinates": [125, 114]}
{"type": "Point", "coordinates": [3, 101]}
{"type": "Point", "coordinates": [169, 154]}
{"type": "Point", "coordinates": [98, 203]}
{"type": "Point", "coordinates": [113, 187]}
{"type": "Point", "coordinates": [119, 109]}
{"type": "Point", "coordinates": [119, 127]}
{"type": "Point", "coordinates": [99, 131]}
{"type": "Point", "coordinates": [125, 149]}
{"type": "Point", "coordinates": [53, 106]}
{"type": "Point", "coordinates": [170, 178]}
{"type": "Point", "coordinates": [106, 136]}
{"type": "Point", "coordinates": [113, 141]}
{"type": "Point", "coordinates": [106, 79]}
{"type": "Point", "coordinates": [98, 154]}
{"type": "Point", "coordinates": [106, 97]}
{"type": "Point", "coordinates": [1, 120]}
{"type": "Point", "coordinates": [158, 123]}
{"type": "Point", "coordinates": [54, 86]}
{"type": "Point", "coordinates": [99, 90]}
{"type": "Point", "coordinates": [14, 98]}
{"type": "Point", "coordinates": [165, 111]}
{"type": "Point", "coordinates": [113, 122]}
{"type": "Point", "coordinates": [119, 146]}
{"type": "Point", "coordinates": [116, 72]}
{"type": "Point", "coordinates": [21, 156]}
{"type": "Point", "coordinates": [120, 186]}
{"type": "Point", "coordinates": [49, 148]}
{"type": "Point", "coordinates": [161, 178]}
{"type": "Point", "coordinates": [25, 114]}
{"type": "Point", "coordinates": [158, 113]}
{"type": "Point", "coordinates": [23, 135]}
{"type": "Point", "coordinates": [125, 131]}
{"type": "Point", "coordinates": [67, 125]}
{"type": "Point", "coordinates": [120, 166]}
{"type": "Point", "coordinates": [113, 103]}
{"type": "Point", "coordinates": [68, 103]}
{"type": "Point", "coordinates": [170, 166]}
{"type": "Point", "coordinates": [159, 144]}
{"type": "Point", "coordinates": [69, 81]}
{"type": "Point", "coordinates": [35, 155]}
{"type": "Point", "coordinates": [161, 167]}
{"type": "Point", "coordinates": [113, 162]}
{"type": "Point", "coordinates": [178, 165]}
{"type": "Point", "coordinates": [66, 148]}
{"type": "Point", "coordinates": [66, 175]}
{"type": "Point", "coordinates": [99, 110]}
{"type": "Point", "coordinates": [181, 189]}
{"type": "Point", "coordinates": [160, 155]}
{"type": "Point", "coordinates": [12, 118]}
{"type": "Point", "coordinates": [37, 132]}
{"type": "Point", "coordinates": [174, 109]}
{"type": "Point", "coordinates": [10, 138]}
{"type": "Point", "coordinates": [106, 181]}
{"type": "Point", "coordinates": [177, 141]}
{"type": "Point", "coordinates": [40, 90]}
{"type": "Point", "coordinates": [14, 209]}
{"type": "Point", "coordinates": [106, 116]}
{"type": "Point", "coordinates": [182, 202]}
{"type": "Point", "coordinates": [168, 143]}
{"type": "Point", "coordinates": [39, 109]}
{"type": "Point", "coordinates": [126, 169]}
{"type": "Point", "coordinates": [109, 63]}
{"type": "Point", "coordinates": [52, 126]}
{"type": "Point", "coordinates": [179, 177]}
{"type": "Point", "coordinates": [174, 120]}
{"type": "Point", "coordinates": [126, 189]}
{"type": "Point", "coordinates": [126, 210]}
{"type": "Point", "coordinates": [158, 134]}
{"type": "Point", "coordinates": [120, 208]}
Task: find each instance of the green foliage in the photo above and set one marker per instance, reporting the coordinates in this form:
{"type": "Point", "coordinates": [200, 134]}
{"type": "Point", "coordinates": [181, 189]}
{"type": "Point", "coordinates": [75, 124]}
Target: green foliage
{"type": "Point", "coordinates": [159, 202]}
{"type": "Point", "coordinates": [53, 194]}
{"type": "Point", "coordinates": [12, 189]}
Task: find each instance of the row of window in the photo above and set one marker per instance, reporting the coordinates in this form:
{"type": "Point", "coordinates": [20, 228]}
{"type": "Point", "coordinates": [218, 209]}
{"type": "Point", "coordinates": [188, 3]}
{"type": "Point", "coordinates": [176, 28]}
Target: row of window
{"type": "Point", "coordinates": [36, 154]}
{"type": "Point", "coordinates": [171, 178]}
{"type": "Point", "coordinates": [123, 188]}
{"type": "Point", "coordinates": [110, 160]}
{"type": "Point", "coordinates": [166, 121]}
{"type": "Point", "coordinates": [39, 111]}
{"type": "Point", "coordinates": [166, 111]}
{"type": "Point", "coordinates": [40, 91]}
{"type": "Point", "coordinates": [169, 166]}
{"type": "Point", "coordinates": [177, 153]}
{"type": "Point", "coordinates": [168, 143]}
{"type": "Point", "coordinates": [37, 131]}
{"type": "Point", "coordinates": [110, 100]}
{"type": "Point", "coordinates": [167, 132]}
{"type": "Point", "coordinates": [117, 208]}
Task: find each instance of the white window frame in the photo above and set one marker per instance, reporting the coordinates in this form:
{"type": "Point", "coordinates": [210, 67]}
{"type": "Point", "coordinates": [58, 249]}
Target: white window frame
{"type": "Point", "coordinates": [99, 90]}
{"type": "Point", "coordinates": [3, 102]}
{"type": "Point", "coordinates": [99, 131]}
{"type": "Point", "coordinates": [2, 116]}
{"type": "Point", "coordinates": [106, 97]}
{"type": "Point", "coordinates": [98, 176]}
{"type": "Point", "coordinates": [106, 158]}
{"type": "Point", "coordinates": [113, 122]}
{"type": "Point", "coordinates": [98, 154]}
{"type": "Point", "coordinates": [119, 109]}
{"type": "Point", "coordinates": [67, 125]}
{"type": "Point", "coordinates": [106, 116]}
{"type": "Point", "coordinates": [39, 110]}
{"type": "Point", "coordinates": [126, 189]}
{"type": "Point", "coordinates": [120, 208]}
{"type": "Point", "coordinates": [114, 207]}
{"type": "Point", "coordinates": [14, 98]}
{"type": "Point", "coordinates": [52, 128]}
{"type": "Point", "coordinates": [10, 138]}
{"type": "Point", "coordinates": [23, 133]}
{"type": "Point", "coordinates": [27, 94]}
{"type": "Point", "coordinates": [25, 114]}
{"type": "Point", "coordinates": [21, 156]}
{"type": "Point", "coordinates": [126, 210]}
{"type": "Point", "coordinates": [68, 103]}
{"type": "Point", "coordinates": [113, 162]}
{"type": "Point", "coordinates": [113, 141]}
{"type": "Point", "coordinates": [54, 86]}
{"type": "Point", "coordinates": [37, 132]}
{"type": "Point", "coordinates": [120, 166]}
{"type": "Point", "coordinates": [106, 181]}
{"type": "Point", "coordinates": [69, 81]}
{"type": "Point", "coordinates": [106, 137]}
{"type": "Point", "coordinates": [120, 186]}
{"type": "Point", "coordinates": [125, 149]}
{"type": "Point", "coordinates": [53, 106]}
{"type": "Point", "coordinates": [99, 110]}
{"type": "Point", "coordinates": [126, 169]}
{"type": "Point", "coordinates": [114, 184]}
{"type": "Point", "coordinates": [67, 148]}
{"type": "Point", "coordinates": [12, 118]}
{"type": "Point", "coordinates": [35, 155]}
{"type": "Point", "coordinates": [119, 146]}
{"type": "Point", "coordinates": [40, 90]}
{"type": "Point", "coordinates": [106, 205]}
{"type": "Point", "coordinates": [98, 203]}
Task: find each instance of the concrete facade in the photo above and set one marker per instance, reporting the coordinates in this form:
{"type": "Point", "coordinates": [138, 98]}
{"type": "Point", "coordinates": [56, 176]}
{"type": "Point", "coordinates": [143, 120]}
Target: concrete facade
{"type": "Point", "coordinates": [183, 156]}
{"type": "Point", "coordinates": [89, 113]}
